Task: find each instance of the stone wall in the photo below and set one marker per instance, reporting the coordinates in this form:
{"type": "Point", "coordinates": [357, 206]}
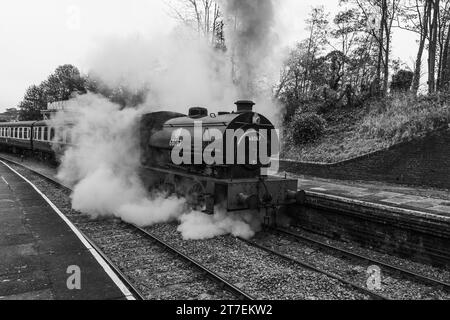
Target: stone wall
{"type": "Point", "coordinates": [421, 162]}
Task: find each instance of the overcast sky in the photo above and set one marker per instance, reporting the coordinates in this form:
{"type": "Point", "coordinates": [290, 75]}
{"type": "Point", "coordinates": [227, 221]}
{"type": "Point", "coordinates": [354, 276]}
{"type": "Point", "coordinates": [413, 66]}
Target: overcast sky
{"type": "Point", "coordinates": [38, 35]}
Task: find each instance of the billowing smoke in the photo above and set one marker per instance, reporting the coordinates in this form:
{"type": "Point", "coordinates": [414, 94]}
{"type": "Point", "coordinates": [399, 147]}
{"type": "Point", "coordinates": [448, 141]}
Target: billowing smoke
{"type": "Point", "coordinates": [178, 71]}
{"type": "Point", "coordinates": [103, 163]}
{"type": "Point", "coordinates": [251, 36]}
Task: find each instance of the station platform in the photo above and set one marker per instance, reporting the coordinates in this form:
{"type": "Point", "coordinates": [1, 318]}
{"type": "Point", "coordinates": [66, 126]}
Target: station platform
{"type": "Point", "coordinates": [38, 249]}
{"type": "Point", "coordinates": [426, 200]}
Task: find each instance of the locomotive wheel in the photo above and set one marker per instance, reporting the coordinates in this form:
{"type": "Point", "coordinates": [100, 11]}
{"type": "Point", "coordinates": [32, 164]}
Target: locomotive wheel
{"type": "Point", "coordinates": [195, 196]}
{"type": "Point", "coordinates": [168, 187]}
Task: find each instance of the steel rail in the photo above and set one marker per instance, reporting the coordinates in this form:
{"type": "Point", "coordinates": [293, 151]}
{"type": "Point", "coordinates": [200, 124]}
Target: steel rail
{"type": "Point", "coordinates": [404, 272]}
{"type": "Point", "coordinates": [355, 286]}
{"type": "Point", "coordinates": [209, 273]}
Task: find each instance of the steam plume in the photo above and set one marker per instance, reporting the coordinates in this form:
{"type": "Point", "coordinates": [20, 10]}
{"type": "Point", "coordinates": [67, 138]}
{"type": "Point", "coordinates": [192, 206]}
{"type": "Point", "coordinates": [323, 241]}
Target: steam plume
{"type": "Point", "coordinates": [103, 165]}
{"type": "Point", "coordinates": [179, 72]}
{"type": "Point", "coordinates": [251, 35]}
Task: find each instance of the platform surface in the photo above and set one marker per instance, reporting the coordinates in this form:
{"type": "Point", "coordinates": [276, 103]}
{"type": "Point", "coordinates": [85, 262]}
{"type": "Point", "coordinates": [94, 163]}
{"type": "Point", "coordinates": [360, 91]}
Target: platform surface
{"type": "Point", "coordinates": [37, 247]}
{"type": "Point", "coordinates": [430, 201]}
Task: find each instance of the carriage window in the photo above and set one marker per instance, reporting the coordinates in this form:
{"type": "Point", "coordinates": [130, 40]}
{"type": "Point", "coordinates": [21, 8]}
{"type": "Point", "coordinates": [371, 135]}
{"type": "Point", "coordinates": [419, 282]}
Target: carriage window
{"type": "Point", "coordinates": [27, 133]}
{"type": "Point", "coordinates": [45, 138]}
{"type": "Point", "coordinates": [63, 135]}
{"type": "Point", "coordinates": [52, 134]}
{"type": "Point", "coordinates": [20, 133]}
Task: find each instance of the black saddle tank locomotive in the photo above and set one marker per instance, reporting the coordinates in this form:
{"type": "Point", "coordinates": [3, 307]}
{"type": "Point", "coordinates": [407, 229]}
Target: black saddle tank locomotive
{"type": "Point", "coordinates": [235, 186]}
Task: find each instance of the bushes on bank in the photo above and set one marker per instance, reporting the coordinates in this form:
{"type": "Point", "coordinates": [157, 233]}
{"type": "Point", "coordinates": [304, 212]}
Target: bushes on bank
{"type": "Point", "coordinates": [306, 127]}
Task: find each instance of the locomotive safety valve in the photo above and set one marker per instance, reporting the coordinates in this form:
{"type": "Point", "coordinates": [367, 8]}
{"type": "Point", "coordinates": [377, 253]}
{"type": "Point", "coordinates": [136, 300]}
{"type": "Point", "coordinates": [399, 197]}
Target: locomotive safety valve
{"type": "Point", "coordinates": [298, 196]}
{"type": "Point", "coordinates": [252, 202]}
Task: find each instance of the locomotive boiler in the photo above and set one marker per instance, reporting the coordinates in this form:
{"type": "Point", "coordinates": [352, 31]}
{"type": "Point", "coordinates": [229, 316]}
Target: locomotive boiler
{"type": "Point", "coordinates": [241, 144]}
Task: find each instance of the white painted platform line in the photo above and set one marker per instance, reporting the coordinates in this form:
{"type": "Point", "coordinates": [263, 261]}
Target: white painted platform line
{"type": "Point", "coordinates": [122, 287]}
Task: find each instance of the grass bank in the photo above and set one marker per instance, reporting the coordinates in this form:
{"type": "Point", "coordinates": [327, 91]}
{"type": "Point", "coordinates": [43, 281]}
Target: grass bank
{"type": "Point", "coordinates": [376, 125]}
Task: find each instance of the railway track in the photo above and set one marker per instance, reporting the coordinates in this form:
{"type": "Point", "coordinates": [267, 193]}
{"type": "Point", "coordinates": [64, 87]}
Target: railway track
{"type": "Point", "coordinates": [373, 295]}
{"type": "Point", "coordinates": [166, 247]}
{"type": "Point", "coordinates": [352, 255]}
{"type": "Point", "coordinates": [223, 283]}
{"type": "Point", "coordinates": [237, 292]}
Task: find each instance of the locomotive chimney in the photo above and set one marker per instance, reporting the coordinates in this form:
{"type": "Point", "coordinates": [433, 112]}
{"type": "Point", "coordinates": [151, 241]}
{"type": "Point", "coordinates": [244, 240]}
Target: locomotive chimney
{"type": "Point", "coordinates": [244, 106]}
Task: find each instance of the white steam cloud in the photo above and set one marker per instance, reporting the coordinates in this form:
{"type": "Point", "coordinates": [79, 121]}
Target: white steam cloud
{"type": "Point", "coordinates": [179, 71]}
{"type": "Point", "coordinates": [252, 38]}
{"type": "Point", "coordinates": [102, 165]}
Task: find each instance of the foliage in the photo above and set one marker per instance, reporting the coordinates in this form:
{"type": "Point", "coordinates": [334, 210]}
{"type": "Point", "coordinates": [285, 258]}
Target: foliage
{"type": "Point", "coordinates": [402, 81]}
{"type": "Point", "coordinates": [34, 101]}
{"type": "Point", "coordinates": [404, 116]}
{"type": "Point", "coordinates": [306, 127]}
{"type": "Point", "coordinates": [59, 86]}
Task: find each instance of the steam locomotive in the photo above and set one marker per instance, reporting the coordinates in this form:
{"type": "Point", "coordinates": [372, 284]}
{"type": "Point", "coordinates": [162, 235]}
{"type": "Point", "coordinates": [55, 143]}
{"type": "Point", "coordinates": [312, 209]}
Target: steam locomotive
{"type": "Point", "coordinates": [234, 186]}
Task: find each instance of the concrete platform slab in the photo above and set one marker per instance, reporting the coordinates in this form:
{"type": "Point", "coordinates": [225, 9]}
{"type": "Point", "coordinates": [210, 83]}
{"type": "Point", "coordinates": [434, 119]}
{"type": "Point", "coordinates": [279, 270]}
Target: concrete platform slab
{"type": "Point", "coordinates": [37, 246]}
{"type": "Point", "coordinates": [35, 295]}
{"type": "Point", "coordinates": [12, 284]}
{"type": "Point", "coordinates": [428, 201]}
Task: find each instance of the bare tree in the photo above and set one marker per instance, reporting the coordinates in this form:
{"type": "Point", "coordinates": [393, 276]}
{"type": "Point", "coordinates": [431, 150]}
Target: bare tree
{"type": "Point", "coordinates": [203, 15]}
{"type": "Point", "coordinates": [433, 31]}
{"type": "Point", "coordinates": [382, 31]}
{"type": "Point", "coordinates": [414, 16]}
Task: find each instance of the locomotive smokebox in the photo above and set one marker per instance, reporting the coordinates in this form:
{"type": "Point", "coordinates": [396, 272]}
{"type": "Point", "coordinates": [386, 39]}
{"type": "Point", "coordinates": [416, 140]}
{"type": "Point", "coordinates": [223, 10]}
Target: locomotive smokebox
{"type": "Point", "coordinates": [244, 106]}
